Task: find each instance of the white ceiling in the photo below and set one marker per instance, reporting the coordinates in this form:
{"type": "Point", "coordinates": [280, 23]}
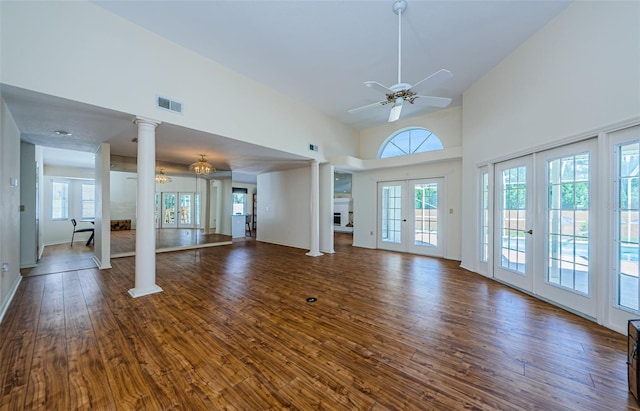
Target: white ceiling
{"type": "Point", "coordinates": [317, 52]}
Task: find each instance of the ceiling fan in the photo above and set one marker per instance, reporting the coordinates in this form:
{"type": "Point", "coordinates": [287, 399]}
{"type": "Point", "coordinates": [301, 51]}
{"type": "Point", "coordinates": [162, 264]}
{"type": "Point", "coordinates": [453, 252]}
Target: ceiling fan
{"type": "Point", "coordinates": [401, 92]}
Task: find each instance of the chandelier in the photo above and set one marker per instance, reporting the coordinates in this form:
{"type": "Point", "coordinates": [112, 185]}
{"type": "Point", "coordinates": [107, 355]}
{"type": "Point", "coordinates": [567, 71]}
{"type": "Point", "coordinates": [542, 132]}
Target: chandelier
{"type": "Point", "coordinates": [201, 167]}
{"type": "Point", "coordinates": [162, 178]}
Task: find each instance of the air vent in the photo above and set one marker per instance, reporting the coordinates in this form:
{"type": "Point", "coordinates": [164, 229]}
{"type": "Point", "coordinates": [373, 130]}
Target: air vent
{"type": "Point", "coordinates": [313, 147]}
{"type": "Point", "coordinates": [168, 104]}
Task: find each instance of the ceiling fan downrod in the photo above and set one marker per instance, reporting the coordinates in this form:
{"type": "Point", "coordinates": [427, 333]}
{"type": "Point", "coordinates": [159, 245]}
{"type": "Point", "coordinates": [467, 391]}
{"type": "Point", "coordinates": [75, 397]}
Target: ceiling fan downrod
{"type": "Point", "coordinates": [399, 7]}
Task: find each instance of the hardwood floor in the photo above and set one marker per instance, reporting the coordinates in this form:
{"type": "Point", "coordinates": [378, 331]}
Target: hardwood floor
{"type": "Point", "coordinates": [62, 257]}
{"type": "Point", "coordinates": [233, 330]}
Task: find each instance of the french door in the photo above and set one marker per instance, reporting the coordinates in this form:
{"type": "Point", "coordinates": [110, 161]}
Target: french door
{"type": "Point", "coordinates": [169, 209]}
{"type": "Point", "coordinates": [186, 214]}
{"type": "Point", "coordinates": [547, 252]}
{"type": "Point", "coordinates": [566, 190]}
{"type": "Point", "coordinates": [513, 262]}
{"type": "Point", "coordinates": [410, 216]}
{"type": "Point", "coordinates": [179, 210]}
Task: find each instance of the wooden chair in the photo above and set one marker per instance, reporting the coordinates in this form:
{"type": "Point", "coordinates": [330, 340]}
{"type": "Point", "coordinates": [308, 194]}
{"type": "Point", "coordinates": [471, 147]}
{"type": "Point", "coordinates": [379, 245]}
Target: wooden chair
{"type": "Point", "coordinates": [80, 230]}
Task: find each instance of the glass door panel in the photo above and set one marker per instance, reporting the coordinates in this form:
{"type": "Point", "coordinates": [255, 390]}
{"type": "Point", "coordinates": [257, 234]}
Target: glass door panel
{"type": "Point", "coordinates": [628, 210]}
{"type": "Point", "coordinates": [564, 180]}
{"type": "Point", "coordinates": [625, 292]}
{"type": "Point", "coordinates": [513, 229]}
{"type": "Point", "coordinates": [186, 210]}
{"type": "Point", "coordinates": [391, 219]}
{"type": "Point", "coordinates": [426, 212]}
{"type": "Point", "coordinates": [169, 209]}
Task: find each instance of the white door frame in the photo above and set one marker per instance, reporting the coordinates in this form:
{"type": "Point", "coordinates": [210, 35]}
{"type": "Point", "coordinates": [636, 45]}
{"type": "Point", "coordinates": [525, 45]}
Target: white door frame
{"type": "Point", "coordinates": [402, 236]}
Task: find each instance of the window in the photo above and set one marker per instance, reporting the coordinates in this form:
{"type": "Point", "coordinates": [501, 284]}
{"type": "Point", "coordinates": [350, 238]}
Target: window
{"type": "Point", "coordinates": [627, 212]}
{"type": "Point", "coordinates": [88, 201]}
{"type": "Point", "coordinates": [239, 201]}
{"type": "Point", "coordinates": [409, 141]}
{"type": "Point", "coordinates": [484, 216]}
{"type": "Point", "coordinates": [59, 200]}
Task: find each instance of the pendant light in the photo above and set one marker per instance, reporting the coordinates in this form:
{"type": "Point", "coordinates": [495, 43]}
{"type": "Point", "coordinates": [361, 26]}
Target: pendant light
{"type": "Point", "coordinates": [201, 167]}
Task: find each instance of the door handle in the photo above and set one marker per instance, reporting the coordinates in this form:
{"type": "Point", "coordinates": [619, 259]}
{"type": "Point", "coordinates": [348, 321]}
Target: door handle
{"type": "Point", "coordinates": [530, 232]}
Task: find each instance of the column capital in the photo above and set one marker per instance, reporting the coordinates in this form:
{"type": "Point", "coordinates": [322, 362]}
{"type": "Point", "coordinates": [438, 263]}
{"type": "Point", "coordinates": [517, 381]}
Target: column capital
{"type": "Point", "coordinates": [144, 120]}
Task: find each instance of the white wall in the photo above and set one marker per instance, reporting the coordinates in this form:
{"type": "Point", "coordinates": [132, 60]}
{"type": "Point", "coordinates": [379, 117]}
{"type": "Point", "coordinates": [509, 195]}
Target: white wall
{"type": "Point", "coordinates": [578, 73]}
{"type": "Point", "coordinates": [326, 188]}
{"type": "Point", "coordinates": [28, 213]}
{"type": "Point", "coordinates": [447, 125]}
{"type": "Point", "coordinates": [284, 207]}
{"type": "Point", "coordinates": [9, 206]}
{"type": "Point", "coordinates": [102, 239]}
{"type": "Point", "coordinates": [111, 63]}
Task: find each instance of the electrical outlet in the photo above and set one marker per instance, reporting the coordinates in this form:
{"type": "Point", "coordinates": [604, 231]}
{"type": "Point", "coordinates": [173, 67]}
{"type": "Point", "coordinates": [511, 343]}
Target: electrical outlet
{"type": "Point", "coordinates": [5, 267]}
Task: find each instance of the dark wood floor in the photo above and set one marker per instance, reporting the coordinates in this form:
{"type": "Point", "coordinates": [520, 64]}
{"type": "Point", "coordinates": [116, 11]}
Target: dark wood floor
{"type": "Point", "coordinates": [233, 330]}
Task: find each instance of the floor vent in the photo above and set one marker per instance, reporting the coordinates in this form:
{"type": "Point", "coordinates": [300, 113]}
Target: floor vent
{"type": "Point", "coordinates": [168, 104]}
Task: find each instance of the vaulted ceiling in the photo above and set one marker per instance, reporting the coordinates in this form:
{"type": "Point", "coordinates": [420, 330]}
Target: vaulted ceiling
{"type": "Point", "coordinates": [316, 52]}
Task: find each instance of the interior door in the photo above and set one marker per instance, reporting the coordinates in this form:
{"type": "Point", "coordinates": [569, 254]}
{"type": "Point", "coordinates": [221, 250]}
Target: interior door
{"type": "Point", "coordinates": [410, 216]}
{"type": "Point", "coordinates": [564, 179]}
{"type": "Point", "coordinates": [514, 223]}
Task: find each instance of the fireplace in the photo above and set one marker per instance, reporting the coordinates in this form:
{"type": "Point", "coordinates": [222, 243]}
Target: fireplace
{"type": "Point", "coordinates": [337, 219]}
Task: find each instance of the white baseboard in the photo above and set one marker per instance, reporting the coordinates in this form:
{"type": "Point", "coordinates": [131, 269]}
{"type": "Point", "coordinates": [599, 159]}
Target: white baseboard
{"type": "Point", "coordinates": [7, 301]}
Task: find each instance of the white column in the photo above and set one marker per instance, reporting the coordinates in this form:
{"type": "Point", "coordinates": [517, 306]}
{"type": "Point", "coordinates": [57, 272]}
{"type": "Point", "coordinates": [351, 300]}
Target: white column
{"type": "Point", "coordinates": [314, 250]}
{"type": "Point", "coordinates": [326, 208]}
{"type": "Point", "coordinates": [145, 229]}
{"type": "Point", "coordinates": [207, 207]}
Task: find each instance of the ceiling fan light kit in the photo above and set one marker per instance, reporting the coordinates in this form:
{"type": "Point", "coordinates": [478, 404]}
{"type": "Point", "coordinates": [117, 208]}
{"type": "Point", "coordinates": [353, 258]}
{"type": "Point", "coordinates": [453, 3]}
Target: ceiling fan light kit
{"type": "Point", "coordinates": [401, 92]}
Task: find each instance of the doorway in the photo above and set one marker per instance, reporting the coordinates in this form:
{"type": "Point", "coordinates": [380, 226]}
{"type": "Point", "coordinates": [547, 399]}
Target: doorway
{"type": "Point", "coordinates": [542, 217]}
{"type": "Point", "coordinates": [410, 216]}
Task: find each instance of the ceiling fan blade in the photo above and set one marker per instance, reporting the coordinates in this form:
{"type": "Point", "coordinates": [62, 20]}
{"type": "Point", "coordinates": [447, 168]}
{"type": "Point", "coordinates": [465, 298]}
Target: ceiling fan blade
{"type": "Point", "coordinates": [394, 114]}
{"type": "Point", "coordinates": [435, 101]}
{"type": "Point", "coordinates": [355, 110]}
{"type": "Point", "coordinates": [432, 81]}
{"type": "Point", "coordinates": [377, 86]}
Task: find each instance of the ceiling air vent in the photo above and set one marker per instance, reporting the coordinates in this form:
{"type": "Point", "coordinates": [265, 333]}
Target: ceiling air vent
{"type": "Point", "coordinates": [168, 104]}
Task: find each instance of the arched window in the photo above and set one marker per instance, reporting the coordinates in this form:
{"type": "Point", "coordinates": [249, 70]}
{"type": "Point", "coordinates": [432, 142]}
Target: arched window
{"type": "Point", "coordinates": [409, 141]}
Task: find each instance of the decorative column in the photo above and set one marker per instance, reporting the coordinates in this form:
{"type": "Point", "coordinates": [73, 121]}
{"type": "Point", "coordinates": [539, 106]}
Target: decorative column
{"type": "Point", "coordinates": [314, 250]}
{"type": "Point", "coordinates": [145, 227]}
{"type": "Point", "coordinates": [207, 207]}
